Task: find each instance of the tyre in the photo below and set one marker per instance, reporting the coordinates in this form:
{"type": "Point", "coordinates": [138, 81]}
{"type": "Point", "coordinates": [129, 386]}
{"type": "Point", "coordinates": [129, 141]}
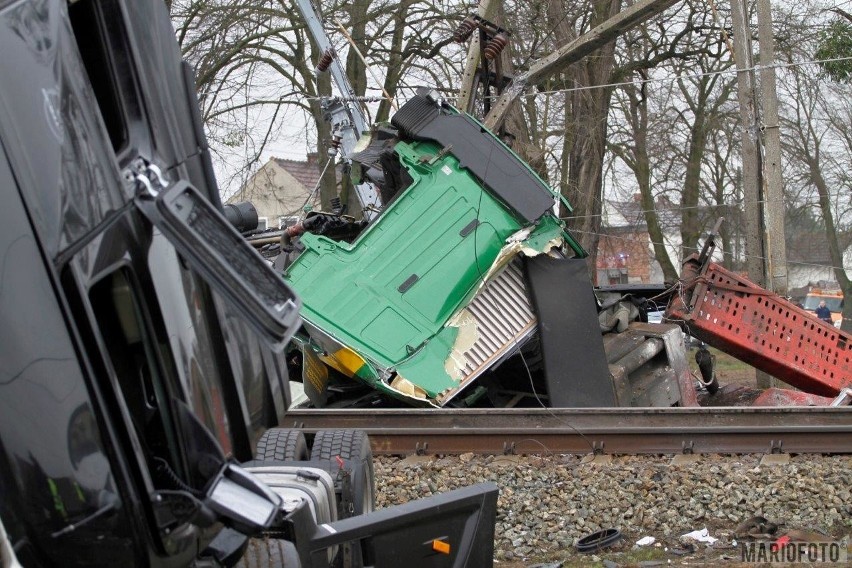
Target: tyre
{"type": "Point", "coordinates": [352, 445]}
{"type": "Point", "coordinates": [282, 444]}
{"type": "Point", "coordinates": [267, 552]}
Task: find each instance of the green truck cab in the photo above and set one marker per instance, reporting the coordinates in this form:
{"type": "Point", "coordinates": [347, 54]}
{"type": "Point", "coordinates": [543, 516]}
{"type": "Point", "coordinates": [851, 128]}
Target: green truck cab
{"type": "Point", "coordinates": [452, 277]}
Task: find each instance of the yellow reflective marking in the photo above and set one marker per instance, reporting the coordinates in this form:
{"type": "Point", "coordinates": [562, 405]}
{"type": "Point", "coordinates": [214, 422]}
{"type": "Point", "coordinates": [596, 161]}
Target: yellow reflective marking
{"type": "Point", "coordinates": [344, 360]}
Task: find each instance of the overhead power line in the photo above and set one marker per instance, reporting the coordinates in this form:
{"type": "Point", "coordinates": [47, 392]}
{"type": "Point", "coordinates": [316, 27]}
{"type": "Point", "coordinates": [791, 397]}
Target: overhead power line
{"type": "Point", "coordinates": [670, 79]}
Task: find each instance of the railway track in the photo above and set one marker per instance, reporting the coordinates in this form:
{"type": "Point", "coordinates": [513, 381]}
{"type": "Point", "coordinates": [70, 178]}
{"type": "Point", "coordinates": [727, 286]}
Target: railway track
{"type": "Point", "coordinates": [604, 431]}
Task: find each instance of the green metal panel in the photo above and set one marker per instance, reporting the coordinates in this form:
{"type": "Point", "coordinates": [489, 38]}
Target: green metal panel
{"type": "Point", "coordinates": [352, 291]}
{"type": "Point", "coordinates": [389, 295]}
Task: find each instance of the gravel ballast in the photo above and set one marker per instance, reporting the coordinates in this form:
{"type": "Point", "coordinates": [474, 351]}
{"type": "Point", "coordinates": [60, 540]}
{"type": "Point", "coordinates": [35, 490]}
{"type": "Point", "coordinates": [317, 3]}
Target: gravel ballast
{"type": "Point", "coordinates": [548, 502]}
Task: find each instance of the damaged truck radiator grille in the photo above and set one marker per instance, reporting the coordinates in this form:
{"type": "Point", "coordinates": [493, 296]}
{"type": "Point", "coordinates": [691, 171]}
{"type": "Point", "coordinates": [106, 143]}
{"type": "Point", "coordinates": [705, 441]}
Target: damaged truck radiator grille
{"type": "Point", "coordinates": [504, 320]}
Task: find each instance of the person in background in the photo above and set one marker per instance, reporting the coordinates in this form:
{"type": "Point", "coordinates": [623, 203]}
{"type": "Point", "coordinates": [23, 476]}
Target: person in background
{"type": "Point", "coordinates": [823, 313]}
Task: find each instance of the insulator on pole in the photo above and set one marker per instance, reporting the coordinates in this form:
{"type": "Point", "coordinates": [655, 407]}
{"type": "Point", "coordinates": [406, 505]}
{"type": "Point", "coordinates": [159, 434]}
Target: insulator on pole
{"type": "Point", "coordinates": [495, 45]}
{"type": "Point", "coordinates": [325, 61]}
{"type": "Point", "coordinates": [465, 29]}
{"type": "Point", "coordinates": [334, 145]}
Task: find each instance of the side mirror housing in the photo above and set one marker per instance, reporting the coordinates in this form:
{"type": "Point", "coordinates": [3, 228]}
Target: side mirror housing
{"type": "Point", "coordinates": [213, 248]}
{"type": "Point", "coordinates": [242, 501]}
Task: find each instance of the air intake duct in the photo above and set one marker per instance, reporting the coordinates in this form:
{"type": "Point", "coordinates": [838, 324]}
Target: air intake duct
{"type": "Point", "coordinates": [241, 215]}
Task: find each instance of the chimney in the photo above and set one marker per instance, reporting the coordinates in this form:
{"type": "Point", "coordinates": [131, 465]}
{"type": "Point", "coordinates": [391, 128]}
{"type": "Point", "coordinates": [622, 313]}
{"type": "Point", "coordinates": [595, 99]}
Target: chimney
{"type": "Point", "coordinates": [313, 158]}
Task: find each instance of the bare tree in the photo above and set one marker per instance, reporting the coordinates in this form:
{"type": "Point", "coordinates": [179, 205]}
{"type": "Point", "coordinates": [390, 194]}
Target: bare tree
{"type": "Point", "coordinates": [635, 151]}
{"type": "Point", "coordinates": [706, 96]}
{"type": "Point", "coordinates": [819, 125]}
{"type": "Point", "coordinates": [255, 66]}
{"type": "Point", "coordinates": [665, 116]}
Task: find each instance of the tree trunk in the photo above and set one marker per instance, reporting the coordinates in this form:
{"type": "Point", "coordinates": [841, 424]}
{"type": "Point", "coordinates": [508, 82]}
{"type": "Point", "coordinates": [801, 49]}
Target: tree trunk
{"type": "Point", "coordinates": [640, 162]}
{"type": "Point", "coordinates": [394, 64]}
{"type": "Point", "coordinates": [516, 123]}
{"type": "Point", "coordinates": [585, 170]}
{"type": "Point", "coordinates": [834, 251]}
{"type": "Point", "coordinates": [355, 70]}
{"type": "Point", "coordinates": [586, 121]}
{"type": "Point", "coordinates": [690, 227]}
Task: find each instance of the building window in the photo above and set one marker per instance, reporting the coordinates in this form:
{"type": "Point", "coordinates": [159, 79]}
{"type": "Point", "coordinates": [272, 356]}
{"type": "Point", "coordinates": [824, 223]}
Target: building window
{"type": "Point", "coordinates": [287, 221]}
{"type": "Point", "coordinates": [612, 276]}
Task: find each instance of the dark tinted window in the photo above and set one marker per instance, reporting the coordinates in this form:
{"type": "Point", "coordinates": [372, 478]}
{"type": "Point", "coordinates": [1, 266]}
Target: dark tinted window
{"type": "Point", "coordinates": [58, 490]}
{"type": "Point", "coordinates": [133, 354]}
{"type": "Point", "coordinates": [90, 30]}
{"type": "Point", "coordinates": [51, 126]}
{"type": "Point", "coordinates": [192, 332]}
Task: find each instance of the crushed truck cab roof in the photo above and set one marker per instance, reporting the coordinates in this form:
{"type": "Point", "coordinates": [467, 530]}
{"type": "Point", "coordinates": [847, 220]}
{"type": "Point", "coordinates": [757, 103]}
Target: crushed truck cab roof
{"type": "Point", "coordinates": [430, 294]}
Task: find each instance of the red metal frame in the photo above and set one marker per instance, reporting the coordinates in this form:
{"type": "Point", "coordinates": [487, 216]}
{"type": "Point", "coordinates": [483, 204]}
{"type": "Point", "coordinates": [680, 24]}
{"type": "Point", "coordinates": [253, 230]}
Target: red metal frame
{"type": "Point", "coordinates": [759, 327]}
{"type": "Point", "coordinates": [788, 397]}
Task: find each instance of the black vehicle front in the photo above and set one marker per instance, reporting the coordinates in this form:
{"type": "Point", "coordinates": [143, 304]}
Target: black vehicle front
{"type": "Point", "coordinates": [139, 333]}
{"type": "Point", "coordinates": [112, 341]}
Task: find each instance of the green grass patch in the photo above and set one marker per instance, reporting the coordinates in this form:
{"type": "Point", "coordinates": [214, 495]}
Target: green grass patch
{"type": "Point", "coordinates": [725, 362]}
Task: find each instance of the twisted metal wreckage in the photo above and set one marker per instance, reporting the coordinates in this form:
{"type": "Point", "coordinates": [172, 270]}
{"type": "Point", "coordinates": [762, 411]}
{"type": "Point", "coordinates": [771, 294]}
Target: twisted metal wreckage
{"type": "Point", "coordinates": [460, 263]}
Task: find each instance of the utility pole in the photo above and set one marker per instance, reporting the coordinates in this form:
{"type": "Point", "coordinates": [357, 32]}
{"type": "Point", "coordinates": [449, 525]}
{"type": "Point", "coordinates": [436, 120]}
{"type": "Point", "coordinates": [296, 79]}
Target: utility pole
{"type": "Point", "coordinates": [752, 175]}
{"type": "Point", "coordinates": [486, 11]}
{"type": "Point", "coordinates": [561, 58]}
{"type": "Point", "coordinates": [752, 182]}
{"type": "Point", "coordinates": [776, 247]}
{"type": "Point", "coordinates": [516, 132]}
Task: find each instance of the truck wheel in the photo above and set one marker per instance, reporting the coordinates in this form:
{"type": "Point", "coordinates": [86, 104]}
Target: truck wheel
{"type": "Point", "coordinates": [282, 444]}
{"type": "Point", "coordinates": [267, 552]}
{"type": "Point", "coordinates": [352, 445]}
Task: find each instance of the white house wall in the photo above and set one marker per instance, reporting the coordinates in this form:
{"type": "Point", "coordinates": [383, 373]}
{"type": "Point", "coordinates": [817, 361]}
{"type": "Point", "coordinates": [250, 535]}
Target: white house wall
{"type": "Point", "coordinates": [274, 192]}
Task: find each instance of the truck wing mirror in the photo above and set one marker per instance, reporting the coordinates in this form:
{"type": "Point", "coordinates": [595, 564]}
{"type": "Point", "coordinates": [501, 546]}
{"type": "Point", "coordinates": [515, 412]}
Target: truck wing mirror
{"type": "Point", "coordinates": [242, 500]}
{"type": "Point", "coordinates": [217, 252]}
{"type": "Point", "coordinates": [233, 497]}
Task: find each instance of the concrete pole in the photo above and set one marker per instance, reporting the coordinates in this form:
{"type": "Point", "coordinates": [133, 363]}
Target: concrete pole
{"type": "Point", "coordinates": [751, 158]}
{"type": "Point", "coordinates": [776, 248]}
{"type": "Point", "coordinates": [486, 10]}
{"type": "Point", "coordinates": [752, 194]}
{"type": "Point", "coordinates": [573, 51]}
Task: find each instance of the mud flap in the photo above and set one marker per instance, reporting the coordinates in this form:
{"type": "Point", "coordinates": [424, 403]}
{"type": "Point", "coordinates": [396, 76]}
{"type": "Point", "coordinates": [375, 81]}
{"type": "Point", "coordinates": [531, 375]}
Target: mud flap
{"type": "Point", "coordinates": [575, 365]}
{"type": "Point", "coordinates": [450, 529]}
{"type": "Point", "coordinates": [315, 378]}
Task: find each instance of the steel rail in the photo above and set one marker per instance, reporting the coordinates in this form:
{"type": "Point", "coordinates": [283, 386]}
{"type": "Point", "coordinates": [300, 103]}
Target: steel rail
{"type": "Point", "coordinates": [596, 430]}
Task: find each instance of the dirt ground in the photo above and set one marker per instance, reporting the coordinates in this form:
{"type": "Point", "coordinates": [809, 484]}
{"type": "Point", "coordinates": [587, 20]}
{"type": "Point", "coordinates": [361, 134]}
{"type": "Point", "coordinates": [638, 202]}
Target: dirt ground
{"type": "Point", "coordinates": [729, 370]}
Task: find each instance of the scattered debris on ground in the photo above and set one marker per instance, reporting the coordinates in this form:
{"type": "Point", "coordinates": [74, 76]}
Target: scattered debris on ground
{"type": "Point", "coordinates": [547, 503]}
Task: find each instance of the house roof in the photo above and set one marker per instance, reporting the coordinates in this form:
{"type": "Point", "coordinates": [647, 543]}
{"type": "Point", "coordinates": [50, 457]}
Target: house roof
{"type": "Point", "coordinates": [812, 246]}
{"type": "Point", "coordinates": [306, 173]}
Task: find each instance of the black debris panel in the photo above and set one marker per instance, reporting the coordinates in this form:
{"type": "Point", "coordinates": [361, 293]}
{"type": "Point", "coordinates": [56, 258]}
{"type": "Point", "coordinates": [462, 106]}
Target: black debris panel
{"type": "Point", "coordinates": [575, 365]}
{"type": "Point", "coordinates": [486, 157]}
